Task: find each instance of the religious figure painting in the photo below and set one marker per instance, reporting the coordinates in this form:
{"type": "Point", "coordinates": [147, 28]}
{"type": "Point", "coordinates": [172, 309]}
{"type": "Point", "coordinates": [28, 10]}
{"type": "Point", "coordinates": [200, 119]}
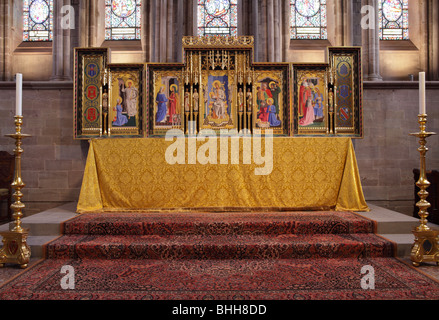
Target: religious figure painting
{"type": "Point", "coordinates": [310, 99]}
{"type": "Point", "coordinates": [167, 105]}
{"type": "Point", "coordinates": [125, 114]}
{"type": "Point", "coordinates": [218, 111]}
{"type": "Point", "coordinates": [269, 92]}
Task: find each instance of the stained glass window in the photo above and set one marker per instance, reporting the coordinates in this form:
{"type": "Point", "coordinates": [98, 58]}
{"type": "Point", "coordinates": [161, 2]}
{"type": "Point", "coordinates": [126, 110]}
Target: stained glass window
{"type": "Point", "coordinates": [217, 17]}
{"type": "Point", "coordinates": [37, 20]}
{"type": "Point", "coordinates": [308, 19]}
{"type": "Point", "coordinates": [394, 19]}
{"type": "Point", "coordinates": [122, 19]}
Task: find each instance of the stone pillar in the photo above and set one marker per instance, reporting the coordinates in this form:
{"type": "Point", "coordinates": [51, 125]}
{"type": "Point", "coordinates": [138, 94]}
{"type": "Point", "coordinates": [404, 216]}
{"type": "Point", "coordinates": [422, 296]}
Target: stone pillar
{"type": "Point", "coordinates": [357, 39]}
{"type": "Point", "coordinates": [92, 16]}
{"type": "Point", "coordinates": [433, 40]}
{"type": "Point", "coordinates": [265, 20]}
{"type": "Point", "coordinates": [61, 52]}
{"type": "Point", "coordinates": [371, 44]}
{"type": "Point", "coordinates": [347, 22]}
{"type": "Point", "coordinates": [2, 41]}
{"type": "Point", "coordinates": [255, 27]}
{"type": "Point", "coordinates": [6, 39]}
{"type": "Point", "coordinates": [168, 23]}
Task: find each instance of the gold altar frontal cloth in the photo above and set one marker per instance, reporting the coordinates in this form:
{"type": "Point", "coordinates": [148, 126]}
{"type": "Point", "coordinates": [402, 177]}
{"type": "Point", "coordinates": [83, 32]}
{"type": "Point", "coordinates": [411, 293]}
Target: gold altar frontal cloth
{"type": "Point", "coordinates": [136, 175]}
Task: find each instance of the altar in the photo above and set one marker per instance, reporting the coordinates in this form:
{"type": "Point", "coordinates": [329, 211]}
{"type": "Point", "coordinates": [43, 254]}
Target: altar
{"type": "Point", "coordinates": [136, 175]}
{"type": "Point", "coordinates": [310, 111]}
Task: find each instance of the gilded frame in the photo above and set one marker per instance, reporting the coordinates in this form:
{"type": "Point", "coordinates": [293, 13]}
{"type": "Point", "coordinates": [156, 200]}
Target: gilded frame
{"type": "Point", "coordinates": [126, 100]}
{"type": "Point", "coordinates": [276, 80]}
{"type": "Point", "coordinates": [89, 67]}
{"type": "Point", "coordinates": [218, 110]}
{"type": "Point", "coordinates": [348, 87]}
{"type": "Point", "coordinates": [311, 109]}
{"type": "Point", "coordinates": [169, 78]}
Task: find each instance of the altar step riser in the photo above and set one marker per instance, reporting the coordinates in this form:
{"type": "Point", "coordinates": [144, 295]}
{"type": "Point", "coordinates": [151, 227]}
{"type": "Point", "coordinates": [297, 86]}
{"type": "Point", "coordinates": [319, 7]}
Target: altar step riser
{"type": "Point", "coordinates": [258, 225]}
{"type": "Point", "coordinates": [219, 247]}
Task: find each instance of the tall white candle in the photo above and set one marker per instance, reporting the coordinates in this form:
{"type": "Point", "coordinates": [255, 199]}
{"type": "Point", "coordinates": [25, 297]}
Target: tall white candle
{"type": "Point", "coordinates": [422, 106]}
{"type": "Point", "coordinates": [19, 94]}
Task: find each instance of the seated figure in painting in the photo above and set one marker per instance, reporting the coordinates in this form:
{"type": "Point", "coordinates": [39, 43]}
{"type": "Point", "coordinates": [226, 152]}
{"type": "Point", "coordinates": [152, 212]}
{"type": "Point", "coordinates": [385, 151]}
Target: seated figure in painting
{"type": "Point", "coordinates": [119, 119]}
{"type": "Point", "coordinates": [219, 97]}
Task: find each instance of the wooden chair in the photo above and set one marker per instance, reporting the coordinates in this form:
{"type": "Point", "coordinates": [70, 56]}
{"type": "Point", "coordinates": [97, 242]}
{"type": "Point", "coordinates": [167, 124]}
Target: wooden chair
{"type": "Point", "coordinates": [7, 162]}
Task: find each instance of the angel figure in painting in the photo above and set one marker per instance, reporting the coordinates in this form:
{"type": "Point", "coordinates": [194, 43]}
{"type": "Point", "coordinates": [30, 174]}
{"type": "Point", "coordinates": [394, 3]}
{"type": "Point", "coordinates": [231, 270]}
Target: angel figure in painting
{"type": "Point", "coordinates": [131, 95]}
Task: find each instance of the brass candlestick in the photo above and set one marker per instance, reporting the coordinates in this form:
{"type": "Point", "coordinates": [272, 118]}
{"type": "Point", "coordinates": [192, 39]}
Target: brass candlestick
{"type": "Point", "coordinates": [426, 245]}
{"type": "Point", "coordinates": [15, 248]}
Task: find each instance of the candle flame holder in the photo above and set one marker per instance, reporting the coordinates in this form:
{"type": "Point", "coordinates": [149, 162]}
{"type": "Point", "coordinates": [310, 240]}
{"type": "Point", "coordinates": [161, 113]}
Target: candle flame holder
{"type": "Point", "coordinates": [15, 248]}
{"type": "Point", "coordinates": [426, 245]}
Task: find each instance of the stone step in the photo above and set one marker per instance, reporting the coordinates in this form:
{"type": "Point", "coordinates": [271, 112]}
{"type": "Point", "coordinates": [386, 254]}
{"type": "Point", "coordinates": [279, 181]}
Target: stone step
{"type": "Point", "coordinates": [390, 222]}
{"type": "Point", "coordinates": [36, 244]}
{"type": "Point", "coordinates": [46, 223]}
{"type": "Point", "coordinates": [404, 243]}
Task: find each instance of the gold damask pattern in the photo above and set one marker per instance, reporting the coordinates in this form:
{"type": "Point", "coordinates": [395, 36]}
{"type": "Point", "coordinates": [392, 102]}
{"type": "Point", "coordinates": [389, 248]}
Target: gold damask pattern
{"type": "Point", "coordinates": [308, 173]}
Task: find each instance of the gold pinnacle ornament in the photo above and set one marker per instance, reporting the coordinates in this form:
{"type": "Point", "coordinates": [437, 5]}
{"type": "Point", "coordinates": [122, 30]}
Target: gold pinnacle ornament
{"type": "Point", "coordinates": [15, 248]}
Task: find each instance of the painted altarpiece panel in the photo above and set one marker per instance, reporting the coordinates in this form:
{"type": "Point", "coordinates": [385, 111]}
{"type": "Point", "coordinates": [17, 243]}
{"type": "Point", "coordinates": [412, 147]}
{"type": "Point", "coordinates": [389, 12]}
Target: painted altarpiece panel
{"type": "Point", "coordinates": [126, 99]}
{"type": "Point", "coordinates": [218, 86]}
{"type": "Point", "coordinates": [311, 99]}
{"type": "Point", "coordinates": [166, 98]}
{"type": "Point", "coordinates": [90, 64]}
{"type": "Point", "coordinates": [271, 97]}
{"type": "Point", "coordinates": [219, 100]}
{"type": "Point", "coordinates": [347, 76]}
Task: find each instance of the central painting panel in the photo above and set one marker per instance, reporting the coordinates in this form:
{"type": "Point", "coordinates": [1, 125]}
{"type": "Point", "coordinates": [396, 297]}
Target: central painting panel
{"type": "Point", "coordinates": [218, 110]}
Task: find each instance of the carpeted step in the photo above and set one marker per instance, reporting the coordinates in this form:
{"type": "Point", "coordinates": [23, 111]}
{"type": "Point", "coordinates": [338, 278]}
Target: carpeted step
{"type": "Point", "coordinates": [230, 223]}
{"type": "Point", "coordinates": [202, 247]}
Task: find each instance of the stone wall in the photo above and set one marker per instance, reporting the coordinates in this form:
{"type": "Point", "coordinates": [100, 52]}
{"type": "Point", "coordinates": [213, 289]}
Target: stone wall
{"type": "Point", "coordinates": [53, 162]}
{"type": "Point", "coordinates": [387, 155]}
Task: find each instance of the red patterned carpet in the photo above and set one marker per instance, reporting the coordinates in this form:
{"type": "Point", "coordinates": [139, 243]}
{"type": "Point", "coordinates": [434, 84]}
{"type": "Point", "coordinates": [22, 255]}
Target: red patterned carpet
{"type": "Point", "coordinates": [222, 256]}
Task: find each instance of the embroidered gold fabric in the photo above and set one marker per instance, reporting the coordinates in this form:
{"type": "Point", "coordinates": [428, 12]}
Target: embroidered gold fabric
{"type": "Point", "coordinates": [307, 173]}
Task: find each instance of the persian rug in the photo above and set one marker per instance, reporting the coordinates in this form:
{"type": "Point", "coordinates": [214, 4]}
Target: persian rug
{"type": "Point", "coordinates": [220, 256]}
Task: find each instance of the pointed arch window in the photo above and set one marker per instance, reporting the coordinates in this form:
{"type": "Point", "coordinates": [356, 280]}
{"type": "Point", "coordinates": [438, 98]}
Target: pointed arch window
{"type": "Point", "coordinates": [37, 20]}
{"type": "Point", "coordinates": [218, 18]}
{"type": "Point", "coordinates": [394, 19]}
{"type": "Point", "coordinates": [122, 19]}
{"type": "Point", "coordinates": [308, 19]}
